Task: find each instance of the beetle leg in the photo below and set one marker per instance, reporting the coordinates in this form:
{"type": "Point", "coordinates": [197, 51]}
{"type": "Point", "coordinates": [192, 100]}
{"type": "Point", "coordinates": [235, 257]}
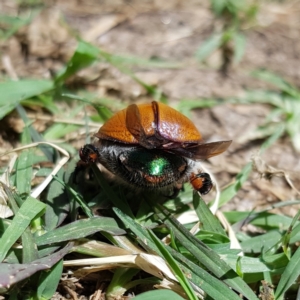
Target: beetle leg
{"type": "Point", "coordinates": [201, 182]}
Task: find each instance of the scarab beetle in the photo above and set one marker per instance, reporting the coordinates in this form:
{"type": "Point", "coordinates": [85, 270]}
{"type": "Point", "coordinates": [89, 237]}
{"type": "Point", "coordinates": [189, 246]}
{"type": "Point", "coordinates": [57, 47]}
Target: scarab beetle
{"type": "Point", "coordinates": [153, 146]}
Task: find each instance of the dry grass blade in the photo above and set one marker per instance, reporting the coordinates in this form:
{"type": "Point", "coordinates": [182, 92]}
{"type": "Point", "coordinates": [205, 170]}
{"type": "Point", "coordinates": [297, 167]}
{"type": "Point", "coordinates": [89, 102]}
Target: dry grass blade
{"type": "Point", "coordinates": [234, 243]}
{"type": "Point", "coordinates": [151, 264]}
{"type": "Point", "coordinates": [5, 211]}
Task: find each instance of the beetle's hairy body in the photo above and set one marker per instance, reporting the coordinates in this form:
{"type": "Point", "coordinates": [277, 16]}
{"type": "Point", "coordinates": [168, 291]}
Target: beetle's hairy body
{"type": "Point", "coordinates": [143, 168]}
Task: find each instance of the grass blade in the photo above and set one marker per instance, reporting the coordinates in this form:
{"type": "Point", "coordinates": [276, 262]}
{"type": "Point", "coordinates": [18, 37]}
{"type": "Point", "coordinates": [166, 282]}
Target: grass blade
{"type": "Point", "coordinates": [24, 172]}
{"type": "Point", "coordinates": [208, 220]}
{"type": "Point", "coordinates": [206, 256]}
{"type": "Point", "coordinates": [80, 229]}
{"type": "Point", "coordinates": [209, 46]}
{"type": "Point", "coordinates": [229, 192]}
{"type": "Point", "coordinates": [13, 273]}
{"type": "Point", "coordinates": [84, 56]}
{"type": "Point", "coordinates": [27, 212]}
{"type": "Point", "coordinates": [200, 278]}
{"type": "Point", "coordinates": [48, 281]}
{"type": "Point", "coordinates": [289, 276]}
{"type": "Point", "coordinates": [174, 267]}
{"type": "Point", "coordinates": [159, 294]}
{"type": "Point", "coordinates": [13, 92]}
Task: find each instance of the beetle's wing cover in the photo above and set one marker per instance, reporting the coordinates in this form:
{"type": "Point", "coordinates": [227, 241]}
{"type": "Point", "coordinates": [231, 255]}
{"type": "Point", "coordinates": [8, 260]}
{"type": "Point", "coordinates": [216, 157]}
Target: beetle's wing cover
{"type": "Point", "coordinates": [140, 122]}
{"type": "Point", "coordinates": [133, 121]}
{"type": "Point", "coordinates": [203, 151]}
{"type": "Point", "coordinates": [115, 129]}
{"type": "Point", "coordinates": [174, 126]}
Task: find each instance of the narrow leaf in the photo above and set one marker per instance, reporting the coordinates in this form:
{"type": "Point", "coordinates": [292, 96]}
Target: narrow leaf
{"type": "Point", "coordinates": [13, 92]}
{"type": "Point", "coordinates": [208, 220]}
{"type": "Point", "coordinates": [80, 229]}
{"type": "Point", "coordinates": [24, 172]}
{"type": "Point", "coordinates": [209, 46]}
{"type": "Point", "coordinates": [174, 267]}
{"type": "Point", "coordinates": [49, 280]}
{"type": "Point", "coordinates": [290, 275]}
{"type": "Point", "coordinates": [84, 56]}
{"type": "Point", "coordinates": [229, 192]}
{"type": "Point", "coordinates": [13, 273]}
{"type": "Point", "coordinates": [159, 294]}
{"type": "Point", "coordinates": [27, 212]}
{"type": "Point", "coordinates": [210, 259]}
{"type": "Point", "coordinates": [239, 40]}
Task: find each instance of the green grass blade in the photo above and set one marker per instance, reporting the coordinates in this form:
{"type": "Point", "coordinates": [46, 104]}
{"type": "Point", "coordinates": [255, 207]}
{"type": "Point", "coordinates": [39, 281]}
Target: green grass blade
{"type": "Point", "coordinates": [137, 61]}
{"type": "Point", "coordinates": [295, 235]}
{"type": "Point", "coordinates": [208, 220]}
{"type": "Point", "coordinates": [174, 267]}
{"type": "Point", "coordinates": [206, 256]}
{"type": "Point", "coordinates": [239, 40]}
{"type": "Point", "coordinates": [209, 46]}
{"type": "Point", "coordinates": [24, 172]}
{"type": "Point", "coordinates": [58, 204]}
{"type": "Point", "coordinates": [29, 251]}
{"type": "Point", "coordinates": [212, 286]}
{"type": "Point", "coordinates": [287, 237]}
{"type": "Point", "coordinates": [152, 90]}
{"type": "Point", "coordinates": [59, 130]}
{"type": "Point", "coordinates": [84, 56]}
{"type": "Point", "coordinates": [80, 229]}
{"type": "Point", "coordinates": [246, 264]}
{"type": "Point", "coordinates": [36, 137]}
{"type": "Point", "coordinates": [185, 105]}
{"type": "Point", "coordinates": [277, 133]}
{"type": "Point", "coordinates": [278, 82]}
{"type": "Point", "coordinates": [13, 273]}
{"type": "Point", "coordinates": [12, 24]}
{"type": "Point", "coordinates": [264, 241]}
{"type": "Point", "coordinates": [77, 197]}
{"type": "Point", "coordinates": [48, 281]}
{"type": "Point", "coordinates": [27, 212]}
{"type": "Point", "coordinates": [262, 219]}
{"type": "Point", "coordinates": [121, 277]}
{"type": "Point", "coordinates": [13, 92]}
{"type": "Point", "coordinates": [141, 233]}
{"type": "Point", "coordinates": [229, 192]}
{"type": "Point", "coordinates": [159, 294]}
{"type": "Point", "coordinates": [289, 276]}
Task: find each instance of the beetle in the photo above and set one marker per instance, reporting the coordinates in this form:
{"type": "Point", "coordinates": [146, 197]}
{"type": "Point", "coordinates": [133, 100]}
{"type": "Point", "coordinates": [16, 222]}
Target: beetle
{"type": "Point", "coordinates": [153, 146]}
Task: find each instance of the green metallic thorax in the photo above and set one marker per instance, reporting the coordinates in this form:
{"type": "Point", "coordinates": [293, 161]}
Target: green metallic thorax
{"type": "Point", "coordinates": [153, 167]}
